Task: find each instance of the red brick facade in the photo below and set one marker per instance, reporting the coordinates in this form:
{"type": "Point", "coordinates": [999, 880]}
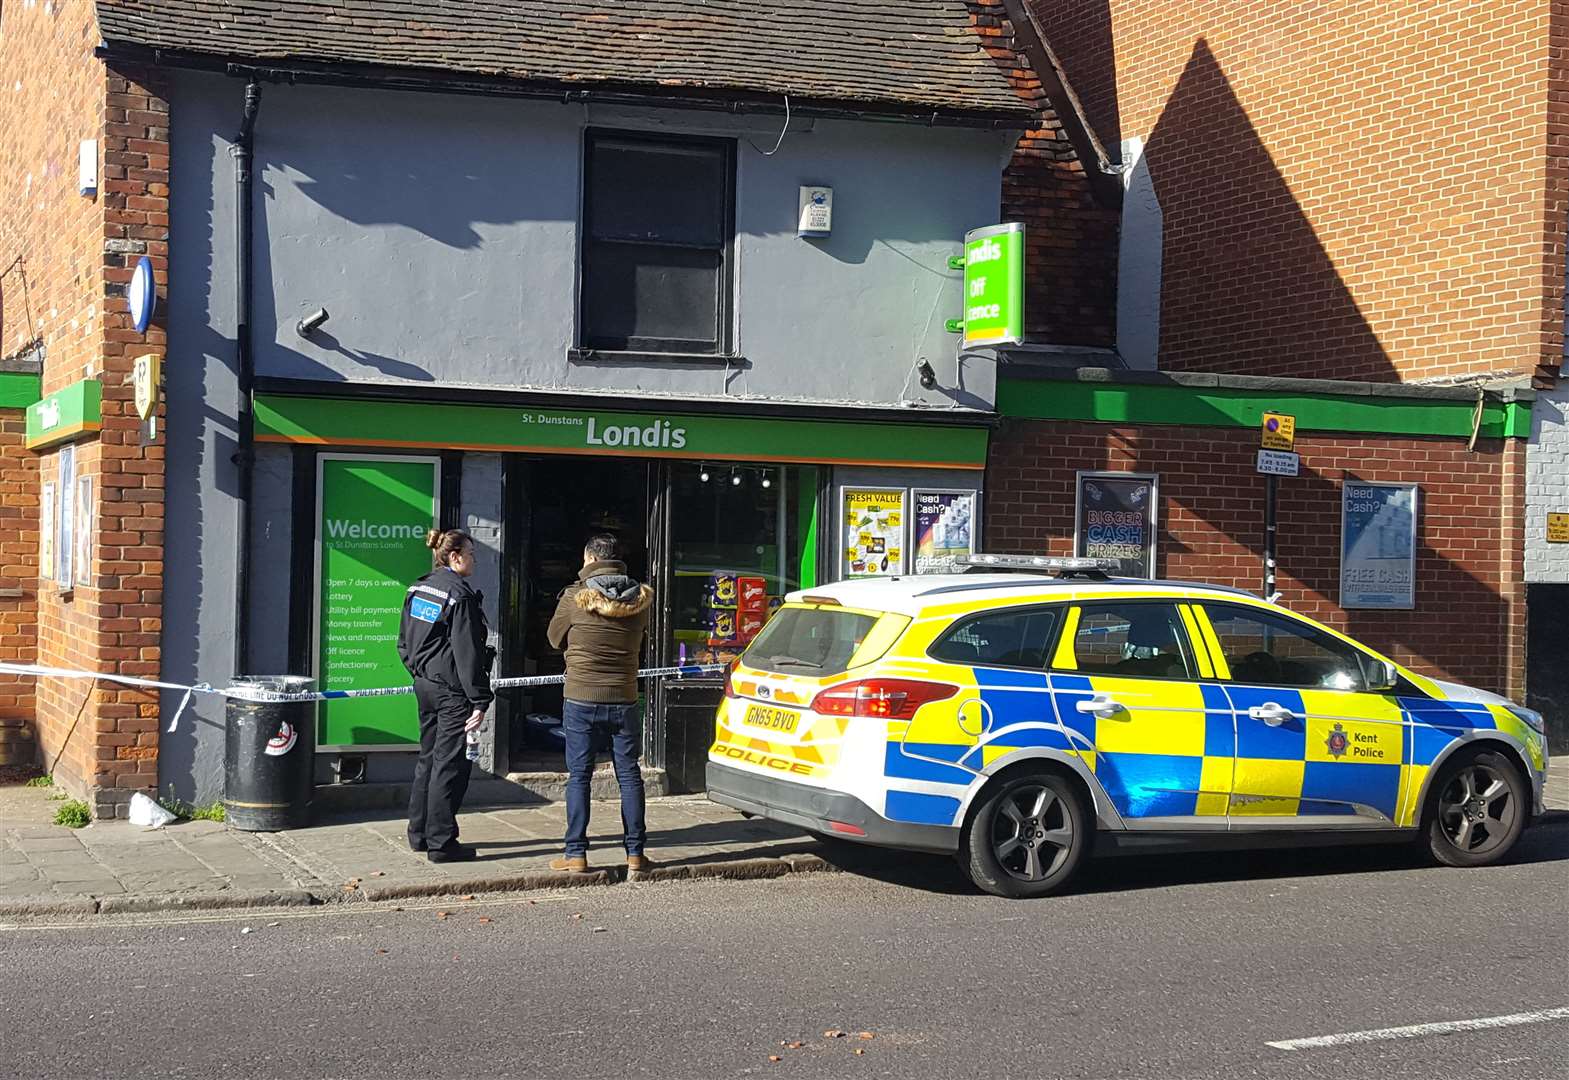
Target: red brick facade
{"type": "Point", "coordinates": [100, 741]}
{"type": "Point", "coordinates": [18, 563]}
{"type": "Point", "coordinates": [1071, 293]}
{"type": "Point", "coordinates": [1355, 192]}
{"type": "Point", "coordinates": [1468, 624]}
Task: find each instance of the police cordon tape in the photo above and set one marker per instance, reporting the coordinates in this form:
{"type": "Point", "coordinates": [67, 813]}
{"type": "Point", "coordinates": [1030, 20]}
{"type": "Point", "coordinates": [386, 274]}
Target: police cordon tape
{"type": "Point", "coordinates": [261, 695]}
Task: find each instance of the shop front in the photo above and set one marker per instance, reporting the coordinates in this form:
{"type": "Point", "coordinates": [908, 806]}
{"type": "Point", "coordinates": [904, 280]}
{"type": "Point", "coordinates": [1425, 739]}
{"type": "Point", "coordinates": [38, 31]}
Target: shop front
{"type": "Point", "coordinates": [723, 513]}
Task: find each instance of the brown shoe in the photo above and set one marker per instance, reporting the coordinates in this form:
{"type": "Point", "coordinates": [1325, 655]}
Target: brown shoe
{"type": "Point", "coordinates": [640, 864]}
{"type": "Point", "coordinates": [570, 864]}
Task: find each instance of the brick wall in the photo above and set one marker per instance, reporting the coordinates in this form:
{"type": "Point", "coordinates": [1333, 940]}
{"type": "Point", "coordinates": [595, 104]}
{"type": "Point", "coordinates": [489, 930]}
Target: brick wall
{"type": "Point", "coordinates": [18, 562]}
{"type": "Point", "coordinates": [1547, 487]}
{"type": "Point", "coordinates": [124, 609]}
{"type": "Point", "coordinates": [1355, 191]}
{"type": "Point", "coordinates": [1071, 240]}
{"type": "Point", "coordinates": [1469, 620]}
{"type": "Point", "coordinates": [98, 740]}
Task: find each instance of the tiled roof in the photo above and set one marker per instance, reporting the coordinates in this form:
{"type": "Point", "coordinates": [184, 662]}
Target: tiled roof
{"type": "Point", "coordinates": [899, 53]}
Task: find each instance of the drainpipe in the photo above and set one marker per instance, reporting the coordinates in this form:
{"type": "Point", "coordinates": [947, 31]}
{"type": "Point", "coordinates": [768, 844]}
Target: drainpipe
{"type": "Point", "coordinates": [245, 369]}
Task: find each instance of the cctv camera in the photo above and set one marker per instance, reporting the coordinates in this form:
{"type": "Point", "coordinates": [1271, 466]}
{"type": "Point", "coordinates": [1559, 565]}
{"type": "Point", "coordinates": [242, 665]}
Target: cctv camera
{"type": "Point", "coordinates": [311, 322]}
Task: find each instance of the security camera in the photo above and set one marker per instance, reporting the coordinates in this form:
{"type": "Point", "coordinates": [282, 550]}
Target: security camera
{"type": "Point", "coordinates": [311, 322]}
{"type": "Point", "coordinates": [928, 375]}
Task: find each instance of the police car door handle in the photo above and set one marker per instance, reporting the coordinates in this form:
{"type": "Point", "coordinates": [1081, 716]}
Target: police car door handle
{"type": "Point", "coordinates": [1099, 705]}
{"type": "Point", "coordinates": [1272, 714]}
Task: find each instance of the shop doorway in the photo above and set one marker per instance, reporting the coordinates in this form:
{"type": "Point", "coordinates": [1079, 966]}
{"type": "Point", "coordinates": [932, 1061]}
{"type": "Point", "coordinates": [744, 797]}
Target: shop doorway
{"type": "Point", "coordinates": [556, 504]}
{"type": "Point", "coordinates": [721, 543]}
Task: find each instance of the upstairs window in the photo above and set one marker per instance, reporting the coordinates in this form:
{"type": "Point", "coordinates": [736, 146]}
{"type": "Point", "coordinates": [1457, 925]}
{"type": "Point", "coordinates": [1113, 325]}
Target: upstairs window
{"type": "Point", "coordinates": [658, 220]}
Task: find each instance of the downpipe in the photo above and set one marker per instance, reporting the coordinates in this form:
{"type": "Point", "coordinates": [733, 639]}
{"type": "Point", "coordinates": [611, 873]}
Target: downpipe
{"type": "Point", "coordinates": [245, 371]}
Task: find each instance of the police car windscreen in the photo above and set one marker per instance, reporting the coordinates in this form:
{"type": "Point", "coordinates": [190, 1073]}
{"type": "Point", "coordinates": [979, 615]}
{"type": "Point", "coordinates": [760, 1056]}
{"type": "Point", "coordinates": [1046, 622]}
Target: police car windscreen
{"type": "Point", "coordinates": [809, 641]}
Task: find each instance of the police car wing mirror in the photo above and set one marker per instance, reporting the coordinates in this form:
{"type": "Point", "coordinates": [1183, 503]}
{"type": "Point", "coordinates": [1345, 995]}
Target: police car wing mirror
{"type": "Point", "coordinates": [1381, 675]}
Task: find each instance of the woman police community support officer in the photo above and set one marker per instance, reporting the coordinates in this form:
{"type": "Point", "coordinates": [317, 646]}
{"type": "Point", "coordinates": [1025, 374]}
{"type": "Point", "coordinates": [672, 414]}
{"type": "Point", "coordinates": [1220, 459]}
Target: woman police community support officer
{"type": "Point", "coordinates": [442, 644]}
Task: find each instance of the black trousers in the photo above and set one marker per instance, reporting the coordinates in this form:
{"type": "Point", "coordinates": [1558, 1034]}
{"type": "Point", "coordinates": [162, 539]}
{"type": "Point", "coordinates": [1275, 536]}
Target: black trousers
{"type": "Point", "coordinates": [441, 776]}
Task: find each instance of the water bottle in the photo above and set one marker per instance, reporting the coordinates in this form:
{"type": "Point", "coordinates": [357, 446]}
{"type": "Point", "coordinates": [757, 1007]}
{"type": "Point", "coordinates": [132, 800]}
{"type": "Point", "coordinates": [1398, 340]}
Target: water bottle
{"type": "Point", "coordinates": [473, 745]}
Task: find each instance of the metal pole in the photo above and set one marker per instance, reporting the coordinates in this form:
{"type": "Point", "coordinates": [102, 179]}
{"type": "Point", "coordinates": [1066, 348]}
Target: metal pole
{"type": "Point", "coordinates": [1269, 537]}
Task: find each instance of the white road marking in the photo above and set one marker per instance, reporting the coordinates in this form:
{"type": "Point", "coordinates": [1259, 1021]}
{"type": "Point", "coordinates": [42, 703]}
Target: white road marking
{"type": "Point", "coordinates": [1447, 1027]}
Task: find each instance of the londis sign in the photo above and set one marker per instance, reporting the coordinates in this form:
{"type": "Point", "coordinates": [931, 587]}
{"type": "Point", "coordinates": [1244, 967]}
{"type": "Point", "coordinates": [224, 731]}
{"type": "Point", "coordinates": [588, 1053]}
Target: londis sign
{"type": "Point", "coordinates": [360, 422]}
{"type": "Point", "coordinates": [994, 285]}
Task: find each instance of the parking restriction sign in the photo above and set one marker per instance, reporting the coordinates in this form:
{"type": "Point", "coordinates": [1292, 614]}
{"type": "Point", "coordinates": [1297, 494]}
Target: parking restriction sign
{"type": "Point", "coordinates": [1278, 431]}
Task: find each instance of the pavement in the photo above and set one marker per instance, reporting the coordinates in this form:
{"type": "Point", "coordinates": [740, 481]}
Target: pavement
{"type": "Point", "coordinates": [114, 866]}
{"type": "Point", "coordinates": [1161, 968]}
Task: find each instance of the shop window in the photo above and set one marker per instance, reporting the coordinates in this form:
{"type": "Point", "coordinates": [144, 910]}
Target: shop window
{"type": "Point", "coordinates": [741, 537]}
{"type": "Point", "coordinates": [1132, 641]}
{"type": "Point", "coordinates": [658, 218]}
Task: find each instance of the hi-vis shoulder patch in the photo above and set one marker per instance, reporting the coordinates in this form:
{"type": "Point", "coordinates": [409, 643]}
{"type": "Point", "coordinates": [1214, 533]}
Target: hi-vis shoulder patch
{"type": "Point", "coordinates": [424, 610]}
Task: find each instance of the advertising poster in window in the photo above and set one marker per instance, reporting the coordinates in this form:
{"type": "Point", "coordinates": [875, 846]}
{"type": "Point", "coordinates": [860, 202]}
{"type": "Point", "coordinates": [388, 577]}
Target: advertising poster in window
{"type": "Point", "coordinates": [373, 513]}
{"type": "Point", "coordinates": [46, 533]}
{"type": "Point", "coordinates": [1114, 518]}
{"type": "Point", "coordinates": [944, 530]}
{"type": "Point", "coordinates": [84, 530]}
{"type": "Point", "coordinates": [1378, 545]}
{"type": "Point", "coordinates": [873, 531]}
{"type": "Point", "coordinates": [65, 519]}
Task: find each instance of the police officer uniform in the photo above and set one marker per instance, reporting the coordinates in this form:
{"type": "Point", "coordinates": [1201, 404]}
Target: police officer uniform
{"type": "Point", "coordinates": [442, 644]}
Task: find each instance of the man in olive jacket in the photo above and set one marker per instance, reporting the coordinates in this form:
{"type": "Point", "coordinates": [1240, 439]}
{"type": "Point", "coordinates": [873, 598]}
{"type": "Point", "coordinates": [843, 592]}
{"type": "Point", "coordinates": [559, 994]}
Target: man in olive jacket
{"type": "Point", "coordinates": [600, 623]}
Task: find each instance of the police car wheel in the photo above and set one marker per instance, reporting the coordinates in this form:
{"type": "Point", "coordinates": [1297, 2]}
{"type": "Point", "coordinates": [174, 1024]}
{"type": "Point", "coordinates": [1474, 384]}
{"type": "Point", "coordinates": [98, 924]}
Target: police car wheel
{"type": "Point", "coordinates": [1027, 837]}
{"type": "Point", "coordinates": [1476, 809]}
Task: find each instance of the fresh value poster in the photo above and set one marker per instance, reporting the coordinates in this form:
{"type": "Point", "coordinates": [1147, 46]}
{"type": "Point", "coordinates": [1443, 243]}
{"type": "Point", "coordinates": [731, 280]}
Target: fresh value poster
{"type": "Point", "coordinates": [944, 530]}
{"type": "Point", "coordinates": [373, 515]}
{"type": "Point", "coordinates": [1377, 545]}
{"type": "Point", "coordinates": [873, 531]}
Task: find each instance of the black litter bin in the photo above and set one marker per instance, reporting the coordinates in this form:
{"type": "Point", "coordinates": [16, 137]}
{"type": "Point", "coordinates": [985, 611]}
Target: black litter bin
{"type": "Point", "coordinates": [269, 757]}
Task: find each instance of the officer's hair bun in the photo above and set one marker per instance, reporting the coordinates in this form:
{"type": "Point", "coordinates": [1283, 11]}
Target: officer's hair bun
{"type": "Point", "coordinates": [446, 543]}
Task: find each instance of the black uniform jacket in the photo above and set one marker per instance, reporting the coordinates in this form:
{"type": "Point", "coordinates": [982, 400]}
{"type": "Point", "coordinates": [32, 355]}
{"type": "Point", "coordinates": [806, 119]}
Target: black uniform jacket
{"type": "Point", "coordinates": [442, 636]}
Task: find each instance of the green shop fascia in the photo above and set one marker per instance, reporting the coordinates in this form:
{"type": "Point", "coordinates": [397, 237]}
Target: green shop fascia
{"type": "Point", "coordinates": [724, 513]}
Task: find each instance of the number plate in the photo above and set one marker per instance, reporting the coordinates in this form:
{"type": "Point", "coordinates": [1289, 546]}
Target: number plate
{"type": "Point", "coordinates": [771, 719]}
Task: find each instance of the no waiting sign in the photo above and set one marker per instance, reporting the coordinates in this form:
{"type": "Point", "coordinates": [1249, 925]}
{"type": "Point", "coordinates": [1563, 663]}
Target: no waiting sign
{"type": "Point", "coordinates": [1278, 431]}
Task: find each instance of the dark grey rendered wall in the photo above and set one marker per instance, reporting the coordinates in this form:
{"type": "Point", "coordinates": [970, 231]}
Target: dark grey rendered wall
{"type": "Point", "coordinates": [440, 232]}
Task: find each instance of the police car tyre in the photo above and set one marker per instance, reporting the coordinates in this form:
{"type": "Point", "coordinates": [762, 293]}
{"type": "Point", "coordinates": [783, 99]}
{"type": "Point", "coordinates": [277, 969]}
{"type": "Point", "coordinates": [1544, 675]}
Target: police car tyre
{"type": "Point", "coordinates": [1476, 809]}
{"type": "Point", "coordinates": [1027, 836]}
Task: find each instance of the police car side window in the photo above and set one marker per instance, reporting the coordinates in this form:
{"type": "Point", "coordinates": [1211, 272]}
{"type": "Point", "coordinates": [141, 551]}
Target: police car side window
{"type": "Point", "coordinates": [1141, 641]}
{"type": "Point", "coordinates": [1019, 639]}
{"type": "Point", "coordinates": [1272, 650]}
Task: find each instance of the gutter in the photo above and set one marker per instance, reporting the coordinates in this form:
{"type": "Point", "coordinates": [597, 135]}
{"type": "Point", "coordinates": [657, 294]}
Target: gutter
{"type": "Point", "coordinates": [435, 80]}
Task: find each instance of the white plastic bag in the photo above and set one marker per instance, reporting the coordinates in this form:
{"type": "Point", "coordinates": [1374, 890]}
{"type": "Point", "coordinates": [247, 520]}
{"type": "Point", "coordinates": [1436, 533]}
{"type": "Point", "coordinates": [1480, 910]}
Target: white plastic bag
{"type": "Point", "coordinates": [146, 812]}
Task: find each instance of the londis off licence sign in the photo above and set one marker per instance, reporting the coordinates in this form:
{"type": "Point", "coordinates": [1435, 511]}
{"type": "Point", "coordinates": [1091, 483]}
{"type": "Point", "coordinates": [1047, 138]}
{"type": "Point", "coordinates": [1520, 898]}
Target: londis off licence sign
{"type": "Point", "coordinates": [994, 285]}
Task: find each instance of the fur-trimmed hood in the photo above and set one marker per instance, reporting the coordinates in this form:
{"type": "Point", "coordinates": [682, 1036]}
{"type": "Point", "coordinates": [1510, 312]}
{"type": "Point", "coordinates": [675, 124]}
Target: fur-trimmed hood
{"type": "Point", "coordinates": [608, 596]}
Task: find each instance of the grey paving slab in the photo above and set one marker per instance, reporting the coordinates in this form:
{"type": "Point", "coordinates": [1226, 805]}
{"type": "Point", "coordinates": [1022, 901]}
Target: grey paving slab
{"type": "Point", "coordinates": [33, 844]}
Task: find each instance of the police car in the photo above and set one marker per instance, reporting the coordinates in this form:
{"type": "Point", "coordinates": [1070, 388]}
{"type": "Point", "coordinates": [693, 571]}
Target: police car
{"type": "Point", "coordinates": [1020, 720]}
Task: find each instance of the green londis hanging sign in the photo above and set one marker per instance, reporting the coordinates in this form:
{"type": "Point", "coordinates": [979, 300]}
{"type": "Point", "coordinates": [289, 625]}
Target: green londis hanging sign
{"type": "Point", "coordinates": [994, 285]}
{"type": "Point", "coordinates": [370, 542]}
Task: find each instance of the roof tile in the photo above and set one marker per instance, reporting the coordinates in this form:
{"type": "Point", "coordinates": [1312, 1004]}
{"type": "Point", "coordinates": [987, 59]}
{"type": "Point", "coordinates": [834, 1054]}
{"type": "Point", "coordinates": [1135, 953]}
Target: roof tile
{"type": "Point", "coordinates": [922, 53]}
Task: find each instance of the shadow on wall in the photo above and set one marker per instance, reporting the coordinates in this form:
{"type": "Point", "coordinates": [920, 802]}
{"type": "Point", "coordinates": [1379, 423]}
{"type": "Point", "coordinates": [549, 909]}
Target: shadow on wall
{"type": "Point", "coordinates": [1211, 170]}
{"type": "Point", "coordinates": [1235, 230]}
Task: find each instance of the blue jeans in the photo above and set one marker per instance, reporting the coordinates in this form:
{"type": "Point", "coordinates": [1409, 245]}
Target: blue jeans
{"type": "Point", "coordinates": [590, 729]}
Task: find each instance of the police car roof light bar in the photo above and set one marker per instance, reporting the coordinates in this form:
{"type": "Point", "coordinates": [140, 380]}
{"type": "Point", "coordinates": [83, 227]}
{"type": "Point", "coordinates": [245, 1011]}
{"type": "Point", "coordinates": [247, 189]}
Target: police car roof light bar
{"type": "Point", "coordinates": [1095, 569]}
